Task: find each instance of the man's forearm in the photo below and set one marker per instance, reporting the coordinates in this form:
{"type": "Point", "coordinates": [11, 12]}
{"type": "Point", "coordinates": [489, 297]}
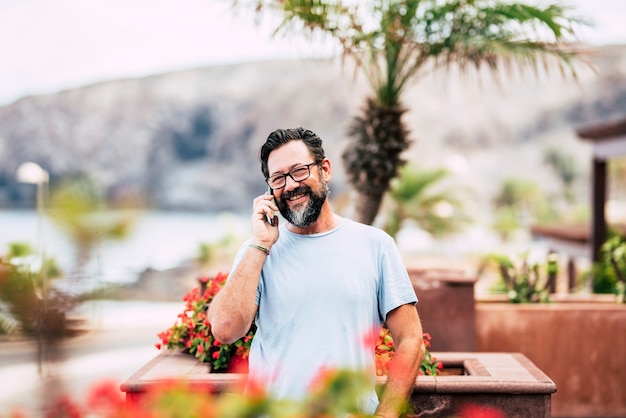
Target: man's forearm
{"type": "Point", "coordinates": [403, 370]}
{"type": "Point", "coordinates": [234, 307]}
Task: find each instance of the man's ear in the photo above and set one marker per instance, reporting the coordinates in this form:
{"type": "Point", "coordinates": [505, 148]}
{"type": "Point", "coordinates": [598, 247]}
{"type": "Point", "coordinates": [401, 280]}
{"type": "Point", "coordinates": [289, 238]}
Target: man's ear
{"type": "Point", "coordinates": [327, 169]}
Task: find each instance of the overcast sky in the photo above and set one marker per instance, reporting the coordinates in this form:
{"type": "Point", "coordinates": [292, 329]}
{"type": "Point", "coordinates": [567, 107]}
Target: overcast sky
{"type": "Point", "coordinates": [50, 45]}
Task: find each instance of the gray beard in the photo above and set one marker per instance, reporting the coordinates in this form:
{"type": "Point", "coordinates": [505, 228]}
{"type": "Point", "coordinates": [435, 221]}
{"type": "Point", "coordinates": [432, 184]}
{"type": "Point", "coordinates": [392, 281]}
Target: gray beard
{"type": "Point", "coordinates": [306, 215]}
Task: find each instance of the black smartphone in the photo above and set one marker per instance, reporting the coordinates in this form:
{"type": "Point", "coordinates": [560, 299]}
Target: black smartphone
{"type": "Point", "coordinates": [270, 220]}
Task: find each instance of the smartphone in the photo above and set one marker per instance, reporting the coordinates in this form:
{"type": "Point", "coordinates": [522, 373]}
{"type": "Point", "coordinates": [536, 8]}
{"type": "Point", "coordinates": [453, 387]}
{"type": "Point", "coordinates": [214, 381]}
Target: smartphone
{"type": "Point", "coordinates": [267, 218]}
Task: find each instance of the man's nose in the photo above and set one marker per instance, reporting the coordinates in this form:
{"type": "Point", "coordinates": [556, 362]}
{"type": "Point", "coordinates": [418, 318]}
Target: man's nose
{"type": "Point", "coordinates": [293, 184]}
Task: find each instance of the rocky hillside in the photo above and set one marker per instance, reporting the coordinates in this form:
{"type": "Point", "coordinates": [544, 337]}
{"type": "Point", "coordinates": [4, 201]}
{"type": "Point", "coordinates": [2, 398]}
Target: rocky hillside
{"type": "Point", "coordinates": [189, 140]}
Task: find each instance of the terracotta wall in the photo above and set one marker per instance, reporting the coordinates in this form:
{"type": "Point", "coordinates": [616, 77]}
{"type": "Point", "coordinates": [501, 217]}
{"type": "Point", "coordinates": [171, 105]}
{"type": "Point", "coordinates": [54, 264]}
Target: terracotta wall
{"type": "Point", "coordinates": [446, 307]}
{"type": "Point", "coordinates": [580, 346]}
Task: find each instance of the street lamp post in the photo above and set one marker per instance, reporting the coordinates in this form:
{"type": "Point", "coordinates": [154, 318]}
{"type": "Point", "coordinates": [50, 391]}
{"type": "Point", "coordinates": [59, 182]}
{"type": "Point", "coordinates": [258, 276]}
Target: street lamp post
{"type": "Point", "coordinates": [32, 173]}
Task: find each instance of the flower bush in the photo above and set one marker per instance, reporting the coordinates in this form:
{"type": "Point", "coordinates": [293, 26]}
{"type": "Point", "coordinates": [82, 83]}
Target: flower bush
{"type": "Point", "coordinates": [385, 349]}
{"type": "Point", "coordinates": [192, 331]}
{"type": "Point", "coordinates": [192, 334]}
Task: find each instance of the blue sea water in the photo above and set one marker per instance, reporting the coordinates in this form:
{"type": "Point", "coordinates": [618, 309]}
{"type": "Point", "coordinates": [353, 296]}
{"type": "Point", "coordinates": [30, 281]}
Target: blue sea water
{"type": "Point", "coordinates": [158, 240]}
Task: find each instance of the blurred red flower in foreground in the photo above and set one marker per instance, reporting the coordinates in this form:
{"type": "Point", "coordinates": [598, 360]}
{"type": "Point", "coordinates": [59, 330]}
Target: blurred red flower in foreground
{"type": "Point", "coordinates": [479, 411]}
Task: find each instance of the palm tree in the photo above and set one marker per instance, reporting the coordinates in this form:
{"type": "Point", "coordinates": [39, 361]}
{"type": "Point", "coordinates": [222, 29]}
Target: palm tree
{"type": "Point", "coordinates": [397, 41]}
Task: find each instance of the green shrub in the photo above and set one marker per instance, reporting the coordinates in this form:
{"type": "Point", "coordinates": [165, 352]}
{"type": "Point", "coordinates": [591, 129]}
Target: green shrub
{"type": "Point", "coordinates": [609, 273]}
{"type": "Point", "coordinates": [525, 282]}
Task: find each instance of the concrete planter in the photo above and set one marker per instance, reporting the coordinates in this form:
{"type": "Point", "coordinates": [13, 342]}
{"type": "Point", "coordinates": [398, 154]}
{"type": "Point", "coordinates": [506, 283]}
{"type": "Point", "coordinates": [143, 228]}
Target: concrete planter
{"type": "Point", "coordinates": [446, 306]}
{"type": "Point", "coordinates": [509, 382]}
{"type": "Point", "coordinates": [579, 344]}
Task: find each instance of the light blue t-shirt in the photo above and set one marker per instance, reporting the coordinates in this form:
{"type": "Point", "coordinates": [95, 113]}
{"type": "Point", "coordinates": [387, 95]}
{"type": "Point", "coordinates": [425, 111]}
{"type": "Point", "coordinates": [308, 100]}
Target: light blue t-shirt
{"type": "Point", "coordinates": [319, 297]}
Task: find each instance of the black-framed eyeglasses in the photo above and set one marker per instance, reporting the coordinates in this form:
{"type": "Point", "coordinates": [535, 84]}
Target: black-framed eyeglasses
{"type": "Point", "coordinates": [299, 173]}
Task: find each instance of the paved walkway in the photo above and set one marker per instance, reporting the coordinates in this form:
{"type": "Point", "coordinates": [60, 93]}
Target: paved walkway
{"type": "Point", "coordinates": [120, 338]}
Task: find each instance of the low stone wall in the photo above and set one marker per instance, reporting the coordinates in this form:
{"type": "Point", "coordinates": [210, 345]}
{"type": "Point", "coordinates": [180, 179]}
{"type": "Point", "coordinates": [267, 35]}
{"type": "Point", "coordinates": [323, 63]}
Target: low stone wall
{"type": "Point", "coordinates": [507, 381]}
{"type": "Point", "coordinates": [580, 345]}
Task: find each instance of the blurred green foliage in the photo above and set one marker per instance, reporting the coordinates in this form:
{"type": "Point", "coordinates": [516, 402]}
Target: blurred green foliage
{"type": "Point", "coordinates": [420, 195]}
{"type": "Point", "coordinates": [523, 281]}
{"type": "Point", "coordinates": [22, 253]}
{"type": "Point", "coordinates": [609, 273]}
{"type": "Point", "coordinates": [519, 202]}
{"type": "Point", "coordinates": [78, 208]}
{"type": "Point", "coordinates": [20, 297]}
{"type": "Point", "coordinates": [205, 252]}
{"type": "Point", "coordinates": [26, 307]}
{"type": "Point", "coordinates": [19, 249]}
{"type": "Point", "coordinates": [223, 250]}
{"type": "Point", "coordinates": [566, 168]}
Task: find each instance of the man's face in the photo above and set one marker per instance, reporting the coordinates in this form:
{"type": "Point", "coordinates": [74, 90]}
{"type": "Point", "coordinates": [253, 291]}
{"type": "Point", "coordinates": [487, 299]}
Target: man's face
{"type": "Point", "coordinates": [303, 214]}
{"type": "Point", "coordinates": [299, 202]}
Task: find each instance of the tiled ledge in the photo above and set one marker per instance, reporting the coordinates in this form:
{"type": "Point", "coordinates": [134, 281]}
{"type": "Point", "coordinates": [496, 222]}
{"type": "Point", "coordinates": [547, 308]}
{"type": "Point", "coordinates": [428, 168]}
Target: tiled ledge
{"type": "Point", "coordinates": [504, 373]}
{"type": "Point", "coordinates": [503, 380]}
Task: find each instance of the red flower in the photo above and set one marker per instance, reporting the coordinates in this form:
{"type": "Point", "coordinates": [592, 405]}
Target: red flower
{"type": "Point", "coordinates": [370, 338]}
{"type": "Point", "coordinates": [192, 329]}
{"type": "Point", "coordinates": [17, 412]}
{"type": "Point", "coordinates": [479, 411]}
{"type": "Point", "coordinates": [238, 364]}
{"type": "Point", "coordinates": [321, 379]}
{"type": "Point", "coordinates": [106, 397]}
{"type": "Point", "coordinates": [65, 407]}
{"type": "Point", "coordinates": [256, 388]}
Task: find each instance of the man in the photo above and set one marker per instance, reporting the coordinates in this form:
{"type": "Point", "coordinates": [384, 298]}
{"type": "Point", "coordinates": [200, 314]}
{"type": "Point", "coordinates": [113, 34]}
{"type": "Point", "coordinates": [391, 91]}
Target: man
{"type": "Point", "coordinates": [317, 286]}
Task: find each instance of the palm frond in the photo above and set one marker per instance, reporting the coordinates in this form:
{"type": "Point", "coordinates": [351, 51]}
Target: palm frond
{"type": "Point", "coordinates": [412, 182]}
{"type": "Point", "coordinates": [392, 41]}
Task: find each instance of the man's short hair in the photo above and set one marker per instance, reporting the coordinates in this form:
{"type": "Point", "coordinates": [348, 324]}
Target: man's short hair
{"type": "Point", "coordinates": [280, 137]}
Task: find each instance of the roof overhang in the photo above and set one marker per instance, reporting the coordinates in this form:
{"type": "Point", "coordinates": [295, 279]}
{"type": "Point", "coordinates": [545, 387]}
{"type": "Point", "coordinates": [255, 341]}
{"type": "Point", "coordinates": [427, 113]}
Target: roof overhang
{"type": "Point", "coordinates": [608, 140]}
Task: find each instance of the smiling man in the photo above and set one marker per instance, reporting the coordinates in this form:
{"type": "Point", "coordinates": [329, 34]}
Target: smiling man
{"type": "Point", "coordinates": [317, 286]}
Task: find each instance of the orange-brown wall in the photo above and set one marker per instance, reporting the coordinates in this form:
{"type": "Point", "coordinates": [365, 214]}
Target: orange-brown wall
{"type": "Point", "coordinates": [580, 346]}
{"type": "Point", "coordinates": [446, 308]}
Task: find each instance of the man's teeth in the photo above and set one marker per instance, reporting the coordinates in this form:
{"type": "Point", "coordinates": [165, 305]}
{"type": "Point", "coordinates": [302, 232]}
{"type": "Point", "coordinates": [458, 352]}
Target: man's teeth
{"type": "Point", "coordinates": [295, 197]}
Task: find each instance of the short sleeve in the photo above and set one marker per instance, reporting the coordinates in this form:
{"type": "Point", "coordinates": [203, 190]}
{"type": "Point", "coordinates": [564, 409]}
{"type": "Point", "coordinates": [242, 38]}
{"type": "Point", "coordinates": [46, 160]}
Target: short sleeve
{"type": "Point", "coordinates": [395, 288]}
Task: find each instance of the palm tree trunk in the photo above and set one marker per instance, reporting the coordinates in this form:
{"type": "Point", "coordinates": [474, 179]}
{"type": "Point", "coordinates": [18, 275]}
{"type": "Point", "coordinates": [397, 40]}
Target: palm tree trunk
{"type": "Point", "coordinates": [367, 206]}
{"type": "Point", "coordinates": [372, 157]}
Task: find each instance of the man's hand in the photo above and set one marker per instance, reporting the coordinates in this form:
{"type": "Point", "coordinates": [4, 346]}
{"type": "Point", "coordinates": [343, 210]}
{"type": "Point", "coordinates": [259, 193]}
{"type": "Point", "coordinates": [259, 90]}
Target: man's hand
{"type": "Point", "coordinates": [264, 233]}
